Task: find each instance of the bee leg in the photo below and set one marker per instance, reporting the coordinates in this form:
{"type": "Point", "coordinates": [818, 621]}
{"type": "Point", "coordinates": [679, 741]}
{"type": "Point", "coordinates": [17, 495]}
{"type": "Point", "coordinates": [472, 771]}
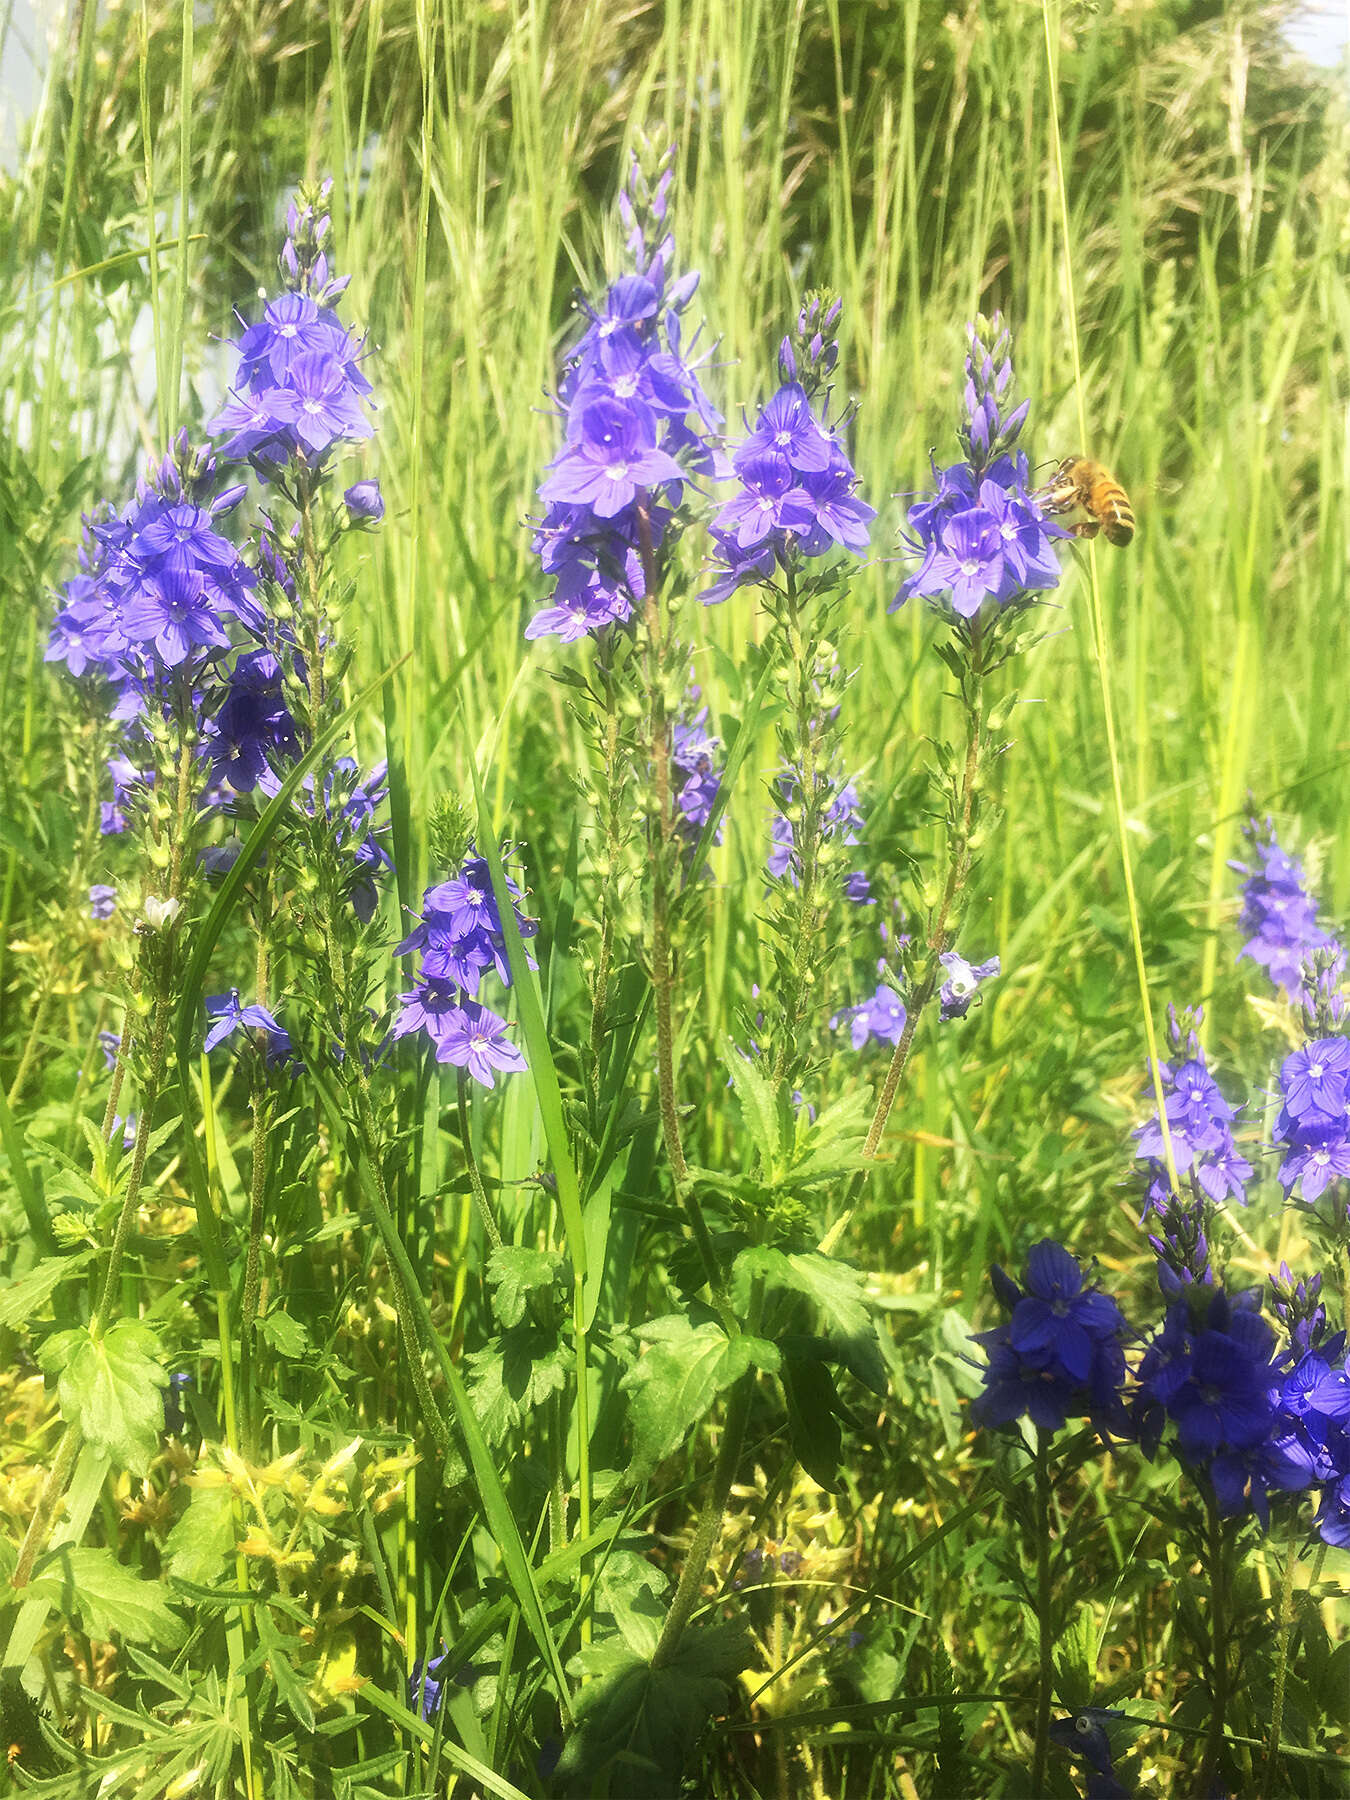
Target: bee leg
{"type": "Point", "coordinates": [1088, 529]}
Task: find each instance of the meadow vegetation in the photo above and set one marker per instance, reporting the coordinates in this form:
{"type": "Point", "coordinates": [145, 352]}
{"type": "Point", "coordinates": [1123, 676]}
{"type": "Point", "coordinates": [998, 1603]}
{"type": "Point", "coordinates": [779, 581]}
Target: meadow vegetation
{"type": "Point", "coordinates": [397, 1404]}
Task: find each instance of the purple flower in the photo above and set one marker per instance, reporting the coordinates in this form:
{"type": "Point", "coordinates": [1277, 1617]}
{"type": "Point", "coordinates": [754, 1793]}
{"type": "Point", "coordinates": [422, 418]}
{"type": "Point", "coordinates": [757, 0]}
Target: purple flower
{"type": "Point", "coordinates": [365, 501]}
{"type": "Point", "coordinates": [787, 428]}
{"type": "Point", "coordinates": [613, 456]}
{"type": "Point", "coordinates": [963, 983]}
{"type": "Point", "coordinates": [102, 901]}
{"type": "Point", "coordinates": [881, 1018]}
{"type": "Point", "coordinates": [252, 732]}
{"type": "Point", "coordinates": [298, 389]}
{"type": "Point", "coordinates": [1199, 1124]}
{"type": "Point", "coordinates": [463, 1032]}
{"type": "Point", "coordinates": [629, 396]}
{"type": "Point", "coordinates": [1279, 916]}
{"type": "Point", "coordinates": [1313, 1082]}
{"type": "Point", "coordinates": [230, 1017]}
{"type": "Point", "coordinates": [698, 779]}
{"type": "Point", "coordinates": [795, 497]}
{"type": "Point", "coordinates": [1215, 1378]}
{"type": "Point", "coordinates": [982, 539]}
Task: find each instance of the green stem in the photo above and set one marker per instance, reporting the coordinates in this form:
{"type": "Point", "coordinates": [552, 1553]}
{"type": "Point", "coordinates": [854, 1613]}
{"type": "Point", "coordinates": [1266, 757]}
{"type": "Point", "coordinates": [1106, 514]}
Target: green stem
{"type": "Point", "coordinates": [610, 871]}
{"type": "Point", "coordinates": [58, 1478]}
{"type": "Point", "coordinates": [1210, 1768]}
{"type": "Point", "coordinates": [485, 1212]}
{"type": "Point", "coordinates": [958, 867]}
{"type": "Point", "coordinates": [807, 840]}
{"type": "Point", "coordinates": [709, 1527]}
{"type": "Point", "coordinates": [1044, 1622]}
{"type": "Point", "coordinates": [1281, 1671]}
{"type": "Point", "coordinates": [663, 976]}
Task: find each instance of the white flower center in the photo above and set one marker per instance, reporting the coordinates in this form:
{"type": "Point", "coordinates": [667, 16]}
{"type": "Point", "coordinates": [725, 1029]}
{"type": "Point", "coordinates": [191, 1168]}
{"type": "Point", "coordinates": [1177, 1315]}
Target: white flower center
{"type": "Point", "coordinates": [617, 471]}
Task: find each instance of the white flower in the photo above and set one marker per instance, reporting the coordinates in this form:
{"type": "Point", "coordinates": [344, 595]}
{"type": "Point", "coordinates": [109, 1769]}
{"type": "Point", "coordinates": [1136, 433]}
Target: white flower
{"type": "Point", "coordinates": [160, 914]}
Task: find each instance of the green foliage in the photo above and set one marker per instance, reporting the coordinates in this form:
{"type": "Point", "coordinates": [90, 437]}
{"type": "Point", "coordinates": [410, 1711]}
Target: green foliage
{"type": "Point", "coordinates": [108, 1600]}
{"type": "Point", "coordinates": [900, 155]}
{"type": "Point", "coordinates": [679, 1376]}
{"type": "Point", "coordinates": [637, 1722]}
{"type": "Point", "coordinates": [110, 1389]}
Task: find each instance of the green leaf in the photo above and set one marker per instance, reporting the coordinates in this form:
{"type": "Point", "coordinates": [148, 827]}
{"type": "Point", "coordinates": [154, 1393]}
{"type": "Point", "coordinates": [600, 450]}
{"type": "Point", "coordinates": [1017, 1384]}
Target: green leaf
{"type": "Point", "coordinates": [110, 1387]}
{"type": "Point", "coordinates": [513, 1375]}
{"type": "Point", "coordinates": [196, 1548]}
{"type": "Point", "coordinates": [286, 1335]}
{"type": "Point", "coordinates": [765, 1106]}
{"type": "Point", "coordinates": [515, 1272]}
{"type": "Point", "coordinates": [812, 1425]}
{"type": "Point", "coordinates": [640, 1724]}
{"type": "Point", "coordinates": [290, 1686]}
{"type": "Point", "coordinates": [833, 1288]}
{"type": "Point", "coordinates": [109, 1601]}
{"type": "Point", "coordinates": [22, 1299]}
{"type": "Point", "coordinates": [679, 1377]}
{"type": "Point", "coordinates": [1076, 1662]}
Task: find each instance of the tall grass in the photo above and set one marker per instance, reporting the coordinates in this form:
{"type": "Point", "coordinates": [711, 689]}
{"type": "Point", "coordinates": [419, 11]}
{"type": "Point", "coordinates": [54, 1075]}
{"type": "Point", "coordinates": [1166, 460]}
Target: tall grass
{"type": "Point", "coordinates": [905, 155]}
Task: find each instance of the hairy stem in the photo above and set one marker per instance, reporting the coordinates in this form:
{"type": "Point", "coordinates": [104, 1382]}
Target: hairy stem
{"type": "Point", "coordinates": [1218, 1619]}
{"type": "Point", "coordinates": [485, 1213]}
{"type": "Point", "coordinates": [1285, 1620]}
{"type": "Point", "coordinates": [1044, 1623]}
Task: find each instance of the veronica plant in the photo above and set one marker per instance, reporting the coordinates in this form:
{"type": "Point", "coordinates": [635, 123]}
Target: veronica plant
{"type": "Point", "coordinates": [1058, 1355]}
{"type": "Point", "coordinates": [986, 553]}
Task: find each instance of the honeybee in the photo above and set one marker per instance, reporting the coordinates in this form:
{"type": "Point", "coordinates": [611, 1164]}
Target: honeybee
{"type": "Point", "coordinates": [1081, 484]}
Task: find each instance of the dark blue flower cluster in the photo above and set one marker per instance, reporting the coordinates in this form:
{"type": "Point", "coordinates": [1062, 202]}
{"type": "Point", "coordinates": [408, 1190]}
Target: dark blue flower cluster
{"type": "Point", "coordinates": [982, 537]}
{"type": "Point", "coordinates": [1313, 1127]}
{"type": "Point", "coordinates": [299, 389]}
{"type": "Point", "coordinates": [1086, 1735]}
{"type": "Point", "coordinates": [1058, 1353]}
{"type": "Point", "coordinates": [1214, 1373]}
{"type": "Point", "coordinates": [636, 422]}
{"type": "Point", "coordinates": [796, 488]}
{"type": "Point", "coordinates": [1199, 1124]}
{"type": "Point", "coordinates": [460, 937]}
{"type": "Point", "coordinates": [252, 733]}
{"type": "Point", "coordinates": [1279, 916]}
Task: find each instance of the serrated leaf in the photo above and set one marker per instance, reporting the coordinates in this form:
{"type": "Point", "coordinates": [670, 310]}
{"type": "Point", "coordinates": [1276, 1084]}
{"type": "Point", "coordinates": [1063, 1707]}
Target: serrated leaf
{"type": "Point", "coordinates": [1076, 1661]}
{"type": "Point", "coordinates": [513, 1375]}
{"type": "Point", "coordinates": [680, 1376]}
{"type": "Point", "coordinates": [196, 1548]}
{"type": "Point", "coordinates": [644, 1722]}
{"type": "Point", "coordinates": [29, 1293]}
{"type": "Point", "coordinates": [110, 1388]}
{"type": "Point", "coordinates": [286, 1335]}
{"type": "Point", "coordinates": [765, 1105]}
{"type": "Point", "coordinates": [109, 1601]}
{"type": "Point", "coordinates": [515, 1272]}
{"type": "Point", "coordinates": [833, 1288]}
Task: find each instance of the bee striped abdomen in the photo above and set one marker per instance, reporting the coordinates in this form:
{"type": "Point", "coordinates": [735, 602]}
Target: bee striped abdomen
{"type": "Point", "coordinates": [1117, 517]}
